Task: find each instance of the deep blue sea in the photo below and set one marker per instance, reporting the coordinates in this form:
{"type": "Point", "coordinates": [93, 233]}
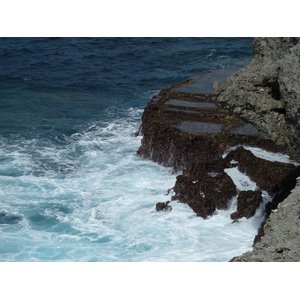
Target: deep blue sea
{"type": "Point", "coordinates": [71, 185]}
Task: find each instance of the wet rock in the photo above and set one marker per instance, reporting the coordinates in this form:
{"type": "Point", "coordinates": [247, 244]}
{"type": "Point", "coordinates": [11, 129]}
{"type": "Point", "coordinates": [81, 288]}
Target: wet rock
{"type": "Point", "coordinates": [247, 204]}
{"type": "Point", "coordinates": [162, 206]}
{"type": "Point", "coordinates": [266, 92]}
{"type": "Point", "coordinates": [281, 238]}
{"type": "Point", "coordinates": [205, 187]}
{"type": "Point", "coordinates": [271, 176]}
{"type": "Point", "coordinates": [189, 128]}
{"type": "Point", "coordinates": [190, 131]}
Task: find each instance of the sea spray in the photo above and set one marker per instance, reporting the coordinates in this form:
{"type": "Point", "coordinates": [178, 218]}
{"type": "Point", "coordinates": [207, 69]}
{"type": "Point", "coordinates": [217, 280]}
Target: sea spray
{"type": "Point", "coordinates": [71, 185]}
{"type": "Point", "coordinates": [101, 207]}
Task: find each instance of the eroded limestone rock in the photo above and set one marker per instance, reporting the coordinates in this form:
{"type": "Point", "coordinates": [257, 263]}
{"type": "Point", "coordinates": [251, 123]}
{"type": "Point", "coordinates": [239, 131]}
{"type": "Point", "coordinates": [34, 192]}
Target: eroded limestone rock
{"type": "Point", "coordinates": [190, 132]}
{"type": "Point", "coordinates": [267, 92]}
{"type": "Point", "coordinates": [281, 239]}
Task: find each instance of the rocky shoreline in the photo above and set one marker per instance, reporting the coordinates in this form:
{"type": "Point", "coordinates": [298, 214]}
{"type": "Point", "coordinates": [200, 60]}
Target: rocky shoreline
{"type": "Point", "coordinates": [196, 128]}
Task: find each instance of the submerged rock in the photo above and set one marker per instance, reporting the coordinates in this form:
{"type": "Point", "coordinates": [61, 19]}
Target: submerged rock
{"type": "Point", "coordinates": [162, 206]}
{"type": "Point", "coordinates": [7, 218]}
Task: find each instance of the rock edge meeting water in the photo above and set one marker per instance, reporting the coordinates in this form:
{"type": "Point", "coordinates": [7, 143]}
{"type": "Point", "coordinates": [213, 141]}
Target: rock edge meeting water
{"type": "Point", "coordinates": [71, 185]}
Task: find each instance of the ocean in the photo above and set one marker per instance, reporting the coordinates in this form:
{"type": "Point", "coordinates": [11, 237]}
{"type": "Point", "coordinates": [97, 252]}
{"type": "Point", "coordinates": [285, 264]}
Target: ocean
{"type": "Point", "coordinates": [72, 187]}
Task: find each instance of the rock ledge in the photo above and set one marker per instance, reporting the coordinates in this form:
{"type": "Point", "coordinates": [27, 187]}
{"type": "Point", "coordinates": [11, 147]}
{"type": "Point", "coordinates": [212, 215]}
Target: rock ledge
{"type": "Point", "coordinates": [186, 128]}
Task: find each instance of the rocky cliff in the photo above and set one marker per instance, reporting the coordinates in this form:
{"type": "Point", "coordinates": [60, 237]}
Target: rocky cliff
{"type": "Point", "coordinates": [281, 240]}
{"type": "Point", "coordinates": [267, 91]}
{"type": "Point", "coordinates": [207, 133]}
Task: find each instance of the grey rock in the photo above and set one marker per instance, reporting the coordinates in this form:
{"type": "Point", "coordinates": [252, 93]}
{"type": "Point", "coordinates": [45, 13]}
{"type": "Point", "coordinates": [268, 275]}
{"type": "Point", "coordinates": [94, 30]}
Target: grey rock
{"type": "Point", "coordinates": [281, 241]}
{"type": "Point", "coordinates": [266, 92]}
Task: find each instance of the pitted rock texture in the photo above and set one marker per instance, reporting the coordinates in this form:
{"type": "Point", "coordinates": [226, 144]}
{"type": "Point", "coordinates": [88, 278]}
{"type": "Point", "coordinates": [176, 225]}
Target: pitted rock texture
{"type": "Point", "coordinates": [190, 131]}
{"type": "Point", "coordinates": [267, 91]}
{"type": "Point", "coordinates": [247, 203]}
{"type": "Point", "coordinates": [281, 239]}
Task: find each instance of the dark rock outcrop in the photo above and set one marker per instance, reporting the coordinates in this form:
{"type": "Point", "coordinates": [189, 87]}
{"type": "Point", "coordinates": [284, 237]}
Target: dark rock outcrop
{"type": "Point", "coordinates": [271, 176]}
{"type": "Point", "coordinates": [204, 191]}
{"type": "Point", "coordinates": [185, 127]}
{"type": "Point", "coordinates": [202, 127]}
{"type": "Point", "coordinates": [247, 204]}
{"type": "Point", "coordinates": [162, 206]}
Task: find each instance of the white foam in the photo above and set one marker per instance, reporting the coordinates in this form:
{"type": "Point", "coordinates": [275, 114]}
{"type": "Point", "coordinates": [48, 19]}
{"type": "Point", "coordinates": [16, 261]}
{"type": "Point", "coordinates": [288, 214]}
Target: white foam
{"type": "Point", "coordinates": [264, 154]}
{"type": "Point", "coordinates": [241, 180]}
{"type": "Point", "coordinates": [103, 207]}
{"type": "Point", "coordinates": [271, 156]}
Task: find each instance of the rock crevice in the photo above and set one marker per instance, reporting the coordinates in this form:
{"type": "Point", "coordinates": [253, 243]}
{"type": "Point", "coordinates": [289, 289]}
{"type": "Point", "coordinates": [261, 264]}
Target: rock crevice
{"type": "Point", "coordinates": [267, 92]}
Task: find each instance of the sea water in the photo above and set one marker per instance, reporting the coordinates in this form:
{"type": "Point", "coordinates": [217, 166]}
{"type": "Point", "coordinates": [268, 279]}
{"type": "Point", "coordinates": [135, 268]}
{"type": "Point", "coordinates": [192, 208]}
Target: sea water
{"type": "Point", "coordinates": [72, 187]}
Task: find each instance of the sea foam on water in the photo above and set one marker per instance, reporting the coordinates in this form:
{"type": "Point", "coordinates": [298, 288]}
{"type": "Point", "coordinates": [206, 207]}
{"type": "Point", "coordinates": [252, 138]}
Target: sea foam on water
{"type": "Point", "coordinates": [99, 205]}
{"type": "Point", "coordinates": [72, 187]}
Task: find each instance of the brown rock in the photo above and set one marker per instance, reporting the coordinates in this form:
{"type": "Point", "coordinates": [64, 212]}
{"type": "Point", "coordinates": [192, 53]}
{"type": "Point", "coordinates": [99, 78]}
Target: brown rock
{"type": "Point", "coordinates": [187, 130]}
{"type": "Point", "coordinates": [270, 176]}
{"type": "Point", "coordinates": [162, 206]}
{"type": "Point", "coordinates": [247, 203]}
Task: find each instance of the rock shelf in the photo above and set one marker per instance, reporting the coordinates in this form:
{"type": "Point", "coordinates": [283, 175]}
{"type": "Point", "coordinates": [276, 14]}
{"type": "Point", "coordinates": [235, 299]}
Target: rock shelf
{"type": "Point", "coordinates": [186, 128]}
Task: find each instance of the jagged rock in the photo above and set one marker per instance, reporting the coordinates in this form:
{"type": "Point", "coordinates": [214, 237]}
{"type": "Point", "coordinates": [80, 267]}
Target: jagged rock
{"type": "Point", "coordinates": [187, 130]}
{"type": "Point", "coordinates": [205, 188]}
{"type": "Point", "coordinates": [281, 238]}
{"type": "Point", "coordinates": [162, 206]}
{"type": "Point", "coordinates": [247, 204]}
{"type": "Point", "coordinates": [266, 92]}
{"type": "Point", "coordinates": [271, 176]}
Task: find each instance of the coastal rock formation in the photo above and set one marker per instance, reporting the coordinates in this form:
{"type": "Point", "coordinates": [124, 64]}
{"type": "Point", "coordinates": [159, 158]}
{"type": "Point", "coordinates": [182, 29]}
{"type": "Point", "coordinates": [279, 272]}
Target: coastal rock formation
{"type": "Point", "coordinates": [281, 239]}
{"type": "Point", "coordinates": [184, 127]}
{"type": "Point", "coordinates": [208, 127]}
{"type": "Point", "coordinates": [163, 206]}
{"type": "Point", "coordinates": [247, 203]}
{"type": "Point", "coordinates": [266, 92]}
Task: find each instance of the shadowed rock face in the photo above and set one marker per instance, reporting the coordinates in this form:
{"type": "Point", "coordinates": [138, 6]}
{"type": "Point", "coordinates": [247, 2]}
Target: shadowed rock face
{"type": "Point", "coordinates": [190, 131]}
{"type": "Point", "coordinates": [271, 176]}
{"type": "Point", "coordinates": [279, 239]}
{"type": "Point", "coordinates": [266, 92]}
{"type": "Point", "coordinates": [190, 128]}
{"type": "Point", "coordinates": [247, 203]}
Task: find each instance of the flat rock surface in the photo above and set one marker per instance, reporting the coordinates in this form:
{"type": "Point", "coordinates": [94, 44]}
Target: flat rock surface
{"type": "Point", "coordinates": [204, 84]}
{"type": "Point", "coordinates": [199, 127]}
{"type": "Point", "coordinates": [190, 104]}
{"type": "Point", "coordinates": [202, 112]}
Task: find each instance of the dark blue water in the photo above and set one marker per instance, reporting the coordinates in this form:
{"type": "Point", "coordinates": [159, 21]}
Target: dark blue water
{"type": "Point", "coordinates": [71, 185]}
